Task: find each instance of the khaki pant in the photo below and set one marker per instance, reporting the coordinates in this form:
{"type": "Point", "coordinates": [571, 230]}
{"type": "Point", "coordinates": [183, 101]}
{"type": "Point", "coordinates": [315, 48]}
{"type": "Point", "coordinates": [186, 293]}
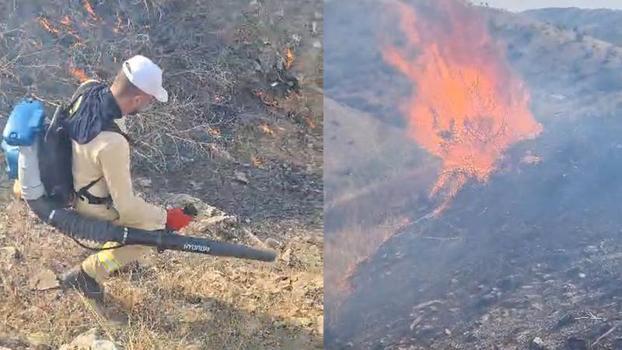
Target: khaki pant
{"type": "Point", "coordinates": [101, 264]}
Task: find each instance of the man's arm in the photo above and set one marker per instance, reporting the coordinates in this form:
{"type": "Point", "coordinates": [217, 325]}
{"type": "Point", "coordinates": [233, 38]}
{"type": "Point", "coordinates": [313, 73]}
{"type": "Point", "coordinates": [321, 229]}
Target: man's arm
{"type": "Point", "coordinates": [133, 211]}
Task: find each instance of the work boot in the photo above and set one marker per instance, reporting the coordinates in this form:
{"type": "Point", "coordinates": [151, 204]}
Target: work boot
{"type": "Point", "coordinates": [77, 279]}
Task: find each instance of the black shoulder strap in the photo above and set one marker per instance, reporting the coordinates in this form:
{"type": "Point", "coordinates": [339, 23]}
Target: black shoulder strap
{"type": "Point", "coordinates": [85, 194]}
{"type": "Point", "coordinates": [114, 127]}
{"type": "Point", "coordinates": [76, 98]}
{"type": "Point", "coordinates": [82, 89]}
{"type": "Point", "coordinates": [91, 184]}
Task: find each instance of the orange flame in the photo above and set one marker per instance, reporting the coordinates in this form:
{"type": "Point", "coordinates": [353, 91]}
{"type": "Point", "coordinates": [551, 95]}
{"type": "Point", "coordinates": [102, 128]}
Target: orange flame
{"type": "Point", "coordinates": [289, 58]}
{"type": "Point", "coordinates": [89, 9]}
{"type": "Point", "coordinates": [310, 123]}
{"type": "Point", "coordinates": [266, 129]}
{"type": "Point", "coordinates": [78, 73]}
{"type": "Point", "coordinates": [45, 23]}
{"type": "Point", "coordinates": [257, 161]}
{"type": "Point", "coordinates": [66, 21]}
{"type": "Point", "coordinates": [118, 25]}
{"type": "Point", "coordinates": [266, 99]}
{"type": "Point", "coordinates": [469, 107]}
{"type": "Point", "coordinates": [213, 131]}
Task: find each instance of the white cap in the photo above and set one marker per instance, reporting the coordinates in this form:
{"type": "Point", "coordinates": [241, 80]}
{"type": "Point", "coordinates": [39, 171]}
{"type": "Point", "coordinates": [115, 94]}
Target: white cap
{"type": "Point", "coordinates": [145, 75]}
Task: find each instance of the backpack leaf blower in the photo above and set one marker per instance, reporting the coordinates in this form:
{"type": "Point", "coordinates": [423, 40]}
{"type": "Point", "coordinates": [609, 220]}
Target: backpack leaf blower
{"type": "Point", "coordinates": [24, 138]}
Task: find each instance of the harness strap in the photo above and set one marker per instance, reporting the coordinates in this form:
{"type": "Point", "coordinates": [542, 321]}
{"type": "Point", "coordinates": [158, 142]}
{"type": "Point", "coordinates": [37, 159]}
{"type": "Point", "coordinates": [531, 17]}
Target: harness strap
{"type": "Point", "coordinates": [92, 199]}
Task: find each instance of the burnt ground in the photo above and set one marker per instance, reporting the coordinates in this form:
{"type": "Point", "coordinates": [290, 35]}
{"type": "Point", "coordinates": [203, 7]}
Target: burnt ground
{"type": "Point", "coordinates": [242, 132]}
{"type": "Point", "coordinates": [532, 253]}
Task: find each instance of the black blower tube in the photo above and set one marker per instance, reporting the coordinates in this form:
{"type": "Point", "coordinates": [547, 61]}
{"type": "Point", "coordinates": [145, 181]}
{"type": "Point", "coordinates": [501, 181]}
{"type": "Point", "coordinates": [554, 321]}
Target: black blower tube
{"type": "Point", "coordinates": [77, 226]}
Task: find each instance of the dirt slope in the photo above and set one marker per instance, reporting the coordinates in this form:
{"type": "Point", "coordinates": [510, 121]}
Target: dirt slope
{"type": "Point", "coordinates": [533, 252]}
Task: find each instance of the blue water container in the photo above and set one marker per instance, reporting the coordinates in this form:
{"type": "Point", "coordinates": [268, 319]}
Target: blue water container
{"type": "Point", "coordinates": [11, 154]}
{"type": "Point", "coordinates": [25, 122]}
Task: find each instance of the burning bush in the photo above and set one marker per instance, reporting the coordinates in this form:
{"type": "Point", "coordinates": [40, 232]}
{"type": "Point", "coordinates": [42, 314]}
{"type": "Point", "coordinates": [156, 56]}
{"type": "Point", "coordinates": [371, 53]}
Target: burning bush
{"type": "Point", "coordinates": [210, 73]}
{"type": "Point", "coordinates": [468, 106]}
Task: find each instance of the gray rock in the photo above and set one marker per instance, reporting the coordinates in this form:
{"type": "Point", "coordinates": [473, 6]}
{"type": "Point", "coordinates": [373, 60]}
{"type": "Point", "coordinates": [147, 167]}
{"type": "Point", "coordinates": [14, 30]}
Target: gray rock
{"type": "Point", "coordinates": [39, 340]}
{"type": "Point", "coordinates": [296, 38]}
{"type": "Point", "coordinates": [213, 220]}
{"type": "Point", "coordinates": [241, 177]}
{"type": "Point", "coordinates": [9, 253]}
{"type": "Point", "coordinates": [179, 200]}
{"type": "Point", "coordinates": [537, 344]}
{"type": "Point", "coordinates": [89, 340]}
{"type": "Point", "coordinates": [287, 256]}
{"type": "Point", "coordinates": [143, 181]}
{"type": "Point", "coordinates": [43, 280]}
{"type": "Point", "coordinates": [208, 217]}
{"type": "Point", "coordinates": [591, 249]}
{"type": "Point", "coordinates": [273, 243]}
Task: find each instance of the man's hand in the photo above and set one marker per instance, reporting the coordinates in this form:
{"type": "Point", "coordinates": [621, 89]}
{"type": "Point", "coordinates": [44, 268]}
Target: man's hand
{"type": "Point", "coordinates": [178, 218]}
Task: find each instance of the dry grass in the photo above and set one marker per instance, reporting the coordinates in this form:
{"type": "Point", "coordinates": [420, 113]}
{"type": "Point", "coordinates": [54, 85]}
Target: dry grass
{"type": "Point", "coordinates": [217, 103]}
{"type": "Point", "coordinates": [207, 72]}
{"type": "Point", "coordinates": [176, 302]}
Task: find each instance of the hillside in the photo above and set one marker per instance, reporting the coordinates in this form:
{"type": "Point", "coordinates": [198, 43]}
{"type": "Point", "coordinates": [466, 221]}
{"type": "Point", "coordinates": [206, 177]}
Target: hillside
{"type": "Point", "coordinates": [602, 24]}
{"type": "Point", "coordinates": [364, 181]}
{"type": "Point", "coordinates": [242, 133]}
{"type": "Point", "coordinates": [532, 252]}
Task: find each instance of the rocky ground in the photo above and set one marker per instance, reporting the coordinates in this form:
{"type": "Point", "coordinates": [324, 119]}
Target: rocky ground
{"type": "Point", "coordinates": [243, 134]}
